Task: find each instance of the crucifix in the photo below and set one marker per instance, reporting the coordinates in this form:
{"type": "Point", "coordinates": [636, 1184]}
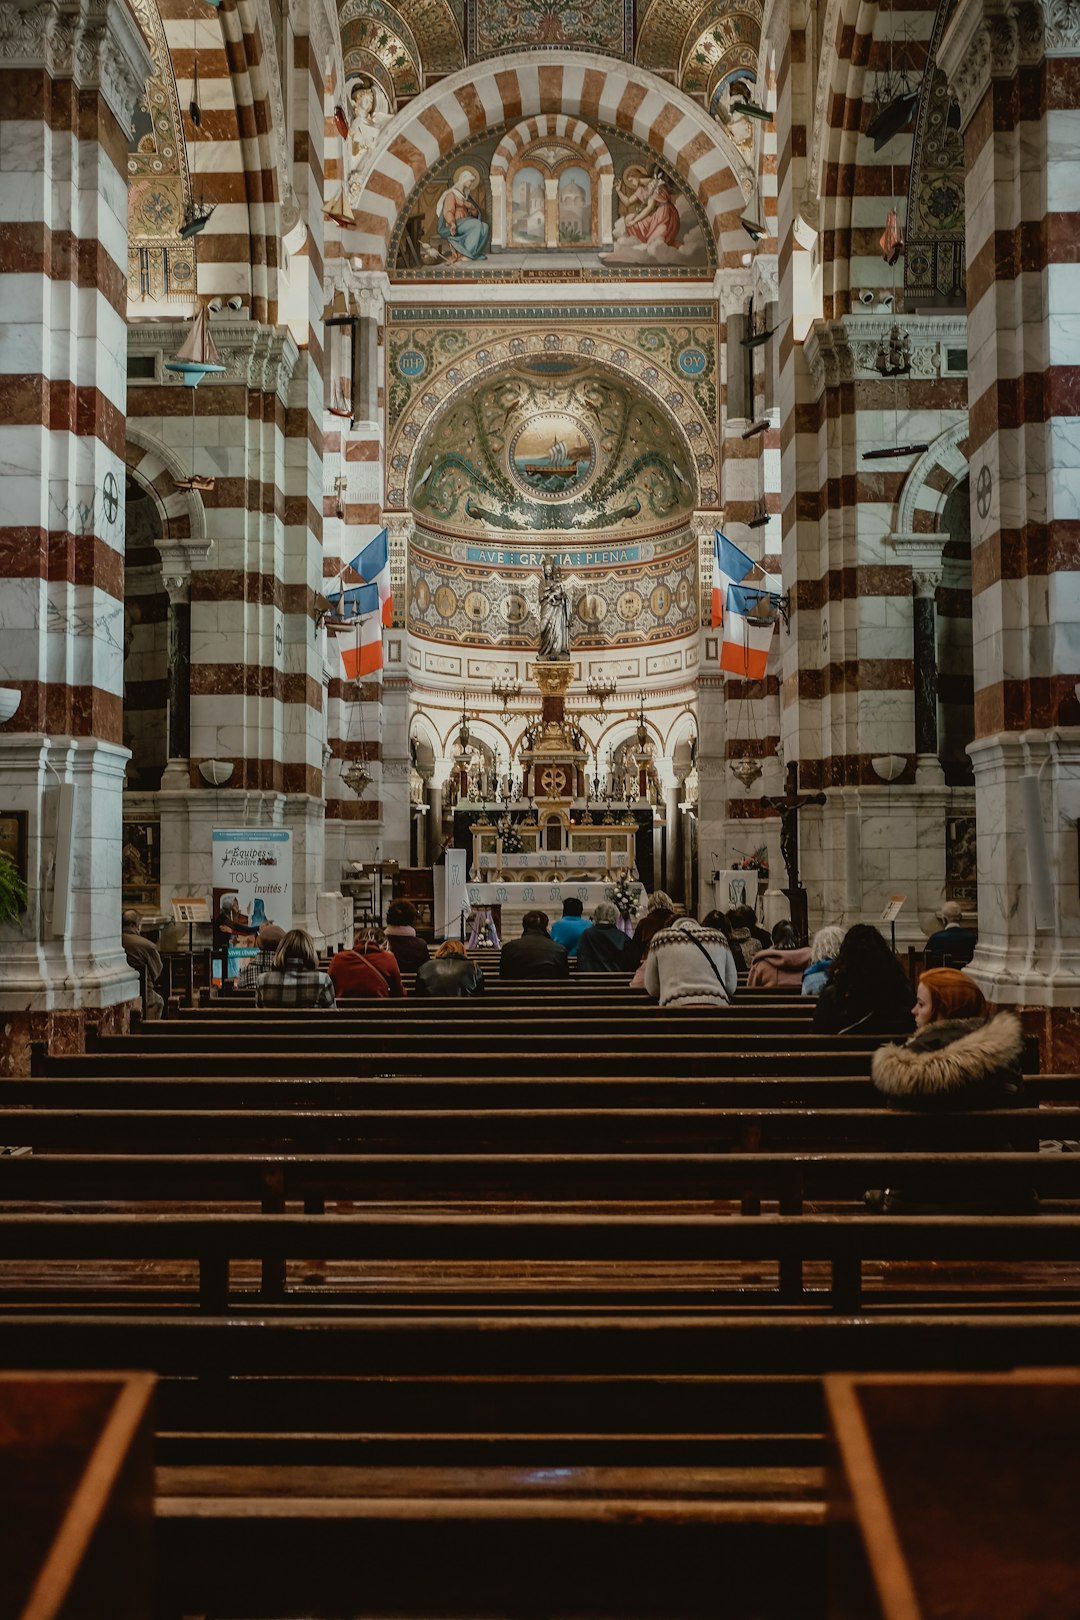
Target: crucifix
{"type": "Point", "coordinates": [788, 809]}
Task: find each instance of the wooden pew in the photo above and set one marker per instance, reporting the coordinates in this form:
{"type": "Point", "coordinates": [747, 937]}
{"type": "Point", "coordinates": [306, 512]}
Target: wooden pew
{"type": "Point", "coordinates": [774, 1082]}
{"type": "Point", "coordinates": [533, 1055]}
{"type": "Point", "coordinates": [274, 1180]}
{"type": "Point", "coordinates": [191, 1126]}
{"type": "Point", "coordinates": [701, 1243]}
{"type": "Point", "coordinates": [76, 1484]}
{"type": "Point", "coordinates": [988, 1529]}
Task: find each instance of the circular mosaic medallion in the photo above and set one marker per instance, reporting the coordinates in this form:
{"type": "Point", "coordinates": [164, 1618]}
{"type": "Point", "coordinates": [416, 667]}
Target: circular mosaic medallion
{"type": "Point", "coordinates": [411, 363]}
{"type": "Point", "coordinates": [660, 600]}
{"type": "Point", "coordinates": [445, 602]}
{"type": "Point", "coordinates": [552, 456]}
{"type": "Point", "coordinates": [515, 609]}
{"type": "Point", "coordinates": [477, 606]}
{"type": "Point", "coordinates": [629, 606]}
{"type": "Point", "coordinates": [591, 608]}
{"type": "Point", "coordinates": [692, 361]}
{"type": "Point", "coordinates": [421, 595]}
{"type": "Point", "coordinates": [683, 593]}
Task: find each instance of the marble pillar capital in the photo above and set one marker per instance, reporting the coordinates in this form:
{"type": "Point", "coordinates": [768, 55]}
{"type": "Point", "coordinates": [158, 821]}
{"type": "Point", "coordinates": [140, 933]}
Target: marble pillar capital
{"type": "Point", "coordinates": [991, 39]}
{"type": "Point", "coordinates": [924, 553]}
{"type": "Point", "coordinates": [96, 43]}
{"type": "Point", "coordinates": [178, 587]}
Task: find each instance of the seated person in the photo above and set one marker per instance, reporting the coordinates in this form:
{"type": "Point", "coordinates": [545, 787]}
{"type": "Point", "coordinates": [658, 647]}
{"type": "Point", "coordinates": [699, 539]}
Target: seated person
{"type": "Point", "coordinates": [401, 936]}
{"type": "Point", "coordinates": [823, 948]}
{"type": "Point", "coordinates": [142, 954]}
{"type": "Point", "coordinates": [746, 937]}
{"type": "Point", "coordinates": [955, 1061]}
{"type": "Point", "coordinates": [369, 969]}
{"type": "Point", "coordinates": [296, 979]}
{"type": "Point", "coordinates": [658, 902]}
{"type": "Point", "coordinates": [601, 948]}
{"type": "Point", "coordinates": [535, 955]}
{"type": "Point", "coordinates": [868, 991]}
{"type": "Point", "coordinates": [954, 944]}
{"type": "Point", "coordinates": [689, 965]}
{"type": "Point", "coordinates": [781, 966]}
{"type": "Point", "coordinates": [449, 973]}
{"type": "Point", "coordinates": [568, 929]}
{"type": "Point", "coordinates": [270, 937]}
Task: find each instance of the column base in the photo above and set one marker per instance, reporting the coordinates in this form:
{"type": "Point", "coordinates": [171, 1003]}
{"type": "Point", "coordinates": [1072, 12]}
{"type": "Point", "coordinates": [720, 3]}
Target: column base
{"type": "Point", "coordinates": [1057, 1030]}
{"type": "Point", "coordinates": [62, 1028]}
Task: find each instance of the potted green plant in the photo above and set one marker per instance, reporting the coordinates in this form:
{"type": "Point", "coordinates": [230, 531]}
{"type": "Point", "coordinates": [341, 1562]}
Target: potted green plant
{"type": "Point", "coordinates": [12, 891]}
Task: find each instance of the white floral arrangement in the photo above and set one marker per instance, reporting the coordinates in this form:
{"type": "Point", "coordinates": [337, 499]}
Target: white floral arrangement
{"type": "Point", "coordinates": [623, 896]}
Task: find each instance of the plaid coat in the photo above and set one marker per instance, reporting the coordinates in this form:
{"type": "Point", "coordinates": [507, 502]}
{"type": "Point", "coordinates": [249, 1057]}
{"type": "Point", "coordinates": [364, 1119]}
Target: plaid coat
{"type": "Point", "coordinates": [294, 986]}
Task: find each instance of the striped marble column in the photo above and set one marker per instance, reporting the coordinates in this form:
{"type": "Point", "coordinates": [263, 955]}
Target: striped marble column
{"type": "Point", "coordinates": [1015, 71]}
{"type": "Point", "coordinates": [69, 77]}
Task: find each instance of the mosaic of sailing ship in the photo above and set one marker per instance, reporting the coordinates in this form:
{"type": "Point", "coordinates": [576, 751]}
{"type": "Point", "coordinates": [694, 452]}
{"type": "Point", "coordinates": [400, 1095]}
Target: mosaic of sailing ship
{"type": "Point", "coordinates": [552, 456]}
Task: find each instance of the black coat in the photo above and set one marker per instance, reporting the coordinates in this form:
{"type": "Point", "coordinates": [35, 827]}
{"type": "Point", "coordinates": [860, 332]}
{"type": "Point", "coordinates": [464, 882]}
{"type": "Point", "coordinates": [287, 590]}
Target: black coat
{"type": "Point", "coordinates": [534, 956]}
{"type": "Point", "coordinates": [838, 1013]}
{"type": "Point", "coordinates": [601, 949]}
{"type": "Point", "coordinates": [449, 976]}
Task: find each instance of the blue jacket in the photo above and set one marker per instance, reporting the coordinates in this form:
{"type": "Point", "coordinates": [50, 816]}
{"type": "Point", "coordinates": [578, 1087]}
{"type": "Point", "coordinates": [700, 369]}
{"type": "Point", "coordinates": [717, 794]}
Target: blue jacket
{"type": "Point", "coordinates": [568, 930]}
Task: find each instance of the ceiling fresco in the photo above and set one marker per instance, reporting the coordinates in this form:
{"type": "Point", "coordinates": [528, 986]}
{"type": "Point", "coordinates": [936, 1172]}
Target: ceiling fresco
{"type": "Point", "coordinates": [553, 445]}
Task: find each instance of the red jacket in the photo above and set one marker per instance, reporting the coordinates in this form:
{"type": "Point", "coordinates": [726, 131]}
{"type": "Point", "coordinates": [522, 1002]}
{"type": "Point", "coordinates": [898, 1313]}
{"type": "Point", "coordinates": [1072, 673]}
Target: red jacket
{"type": "Point", "coordinates": [366, 973]}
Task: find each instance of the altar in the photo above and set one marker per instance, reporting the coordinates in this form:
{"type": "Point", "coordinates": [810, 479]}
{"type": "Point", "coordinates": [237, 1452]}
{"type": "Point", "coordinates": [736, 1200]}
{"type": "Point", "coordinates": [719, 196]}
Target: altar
{"type": "Point", "coordinates": [543, 896]}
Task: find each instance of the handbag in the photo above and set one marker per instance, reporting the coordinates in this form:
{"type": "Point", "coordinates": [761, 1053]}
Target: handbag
{"type": "Point", "coordinates": [712, 964]}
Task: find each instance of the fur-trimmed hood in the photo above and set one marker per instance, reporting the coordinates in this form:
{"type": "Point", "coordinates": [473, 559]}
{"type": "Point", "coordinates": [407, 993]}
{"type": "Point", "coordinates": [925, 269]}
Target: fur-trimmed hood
{"type": "Point", "coordinates": [946, 1059]}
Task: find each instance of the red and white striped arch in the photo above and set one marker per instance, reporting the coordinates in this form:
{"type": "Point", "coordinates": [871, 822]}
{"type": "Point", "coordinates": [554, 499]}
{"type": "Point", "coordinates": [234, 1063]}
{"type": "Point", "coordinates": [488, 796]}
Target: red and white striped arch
{"type": "Point", "coordinates": [513, 88]}
{"type": "Point", "coordinates": [551, 126]}
{"type": "Point", "coordinates": [156, 469]}
{"type": "Point", "coordinates": [932, 480]}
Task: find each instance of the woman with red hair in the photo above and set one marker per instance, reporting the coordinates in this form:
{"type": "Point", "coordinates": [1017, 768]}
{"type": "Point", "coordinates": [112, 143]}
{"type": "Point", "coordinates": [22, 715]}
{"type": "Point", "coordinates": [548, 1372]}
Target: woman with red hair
{"type": "Point", "coordinates": [955, 1061]}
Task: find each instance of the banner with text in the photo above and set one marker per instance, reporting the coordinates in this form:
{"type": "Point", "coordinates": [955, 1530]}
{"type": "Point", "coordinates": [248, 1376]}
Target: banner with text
{"type": "Point", "coordinates": [252, 875]}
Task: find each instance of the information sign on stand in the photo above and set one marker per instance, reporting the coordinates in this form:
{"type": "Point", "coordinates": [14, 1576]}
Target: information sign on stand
{"type": "Point", "coordinates": [891, 912]}
{"type": "Point", "coordinates": [190, 909]}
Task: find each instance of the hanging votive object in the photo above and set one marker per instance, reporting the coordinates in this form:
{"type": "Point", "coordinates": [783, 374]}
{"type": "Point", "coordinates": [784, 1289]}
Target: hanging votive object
{"type": "Point", "coordinates": [892, 242]}
{"type": "Point", "coordinates": [893, 359]}
{"type": "Point", "coordinates": [357, 777]}
{"type": "Point", "coordinates": [197, 356]}
{"type": "Point", "coordinates": [746, 770]}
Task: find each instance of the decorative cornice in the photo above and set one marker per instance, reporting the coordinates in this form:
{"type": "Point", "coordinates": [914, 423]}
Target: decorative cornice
{"type": "Point", "coordinates": [846, 350]}
{"type": "Point", "coordinates": [261, 357]}
{"type": "Point", "coordinates": [990, 39]}
{"type": "Point", "coordinates": [97, 43]}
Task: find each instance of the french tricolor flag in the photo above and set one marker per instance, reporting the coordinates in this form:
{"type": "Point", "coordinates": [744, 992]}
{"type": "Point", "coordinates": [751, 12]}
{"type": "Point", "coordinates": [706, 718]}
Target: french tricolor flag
{"type": "Point", "coordinates": [373, 565]}
{"type": "Point", "coordinates": [364, 657]}
{"type": "Point", "coordinates": [745, 648]}
{"type": "Point", "coordinates": [730, 567]}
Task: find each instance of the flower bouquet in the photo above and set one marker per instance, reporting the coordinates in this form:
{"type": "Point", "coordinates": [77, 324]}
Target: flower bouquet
{"type": "Point", "coordinates": [623, 896]}
{"type": "Point", "coordinates": [756, 861]}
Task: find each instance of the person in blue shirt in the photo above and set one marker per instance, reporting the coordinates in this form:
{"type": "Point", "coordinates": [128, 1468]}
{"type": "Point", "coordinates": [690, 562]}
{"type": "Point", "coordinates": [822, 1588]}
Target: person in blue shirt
{"type": "Point", "coordinates": [568, 928]}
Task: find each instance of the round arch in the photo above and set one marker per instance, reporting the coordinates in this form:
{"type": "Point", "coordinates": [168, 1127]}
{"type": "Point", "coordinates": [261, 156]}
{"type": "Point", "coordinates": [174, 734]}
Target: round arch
{"type": "Point", "coordinates": [487, 359]}
{"type": "Point", "coordinates": [932, 480]}
{"type": "Point", "coordinates": [550, 126]}
{"type": "Point", "coordinates": [156, 469]}
{"type": "Point", "coordinates": [513, 88]}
